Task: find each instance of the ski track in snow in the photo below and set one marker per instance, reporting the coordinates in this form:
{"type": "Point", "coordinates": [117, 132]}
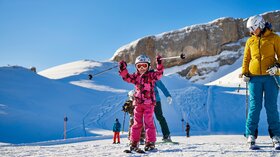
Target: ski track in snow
{"type": "Point", "coordinates": [195, 146]}
{"type": "Point", "coordinates": [108, 109]}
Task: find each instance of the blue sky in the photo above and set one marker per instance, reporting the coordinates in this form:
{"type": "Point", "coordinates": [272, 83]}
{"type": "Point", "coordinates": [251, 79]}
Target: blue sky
{"type": "Point", "coordinates": [46, 33]}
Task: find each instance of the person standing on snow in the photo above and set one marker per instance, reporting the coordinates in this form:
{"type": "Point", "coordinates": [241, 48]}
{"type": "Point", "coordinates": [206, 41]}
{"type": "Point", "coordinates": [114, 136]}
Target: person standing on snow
{"type": "Point", "coordinates": [129, 108]}
{"type": "Point", "coordinates": [188, 128]}
{"type": "Point", "coordinates": [260, 71]}
{"type": "Point", "coordinates": [116, 130]}
{"type": "Point", "coordinates": [145, 101]}
{"type": "Point", "coordinates": [158, 110]}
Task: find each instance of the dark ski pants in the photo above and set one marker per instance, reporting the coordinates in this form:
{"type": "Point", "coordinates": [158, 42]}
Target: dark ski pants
{"type": "Point", "coordinates": [163, 124]}
{"type": "Point", "coordinates": [259, 87]}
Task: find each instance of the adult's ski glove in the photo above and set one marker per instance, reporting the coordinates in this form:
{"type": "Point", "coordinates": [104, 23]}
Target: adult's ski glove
{"type": "Point", "coordinates": [246, 78]}
{"type": "Point", "coordinates": [169, 100]}
{"type": "Point", "coordinates": [159, 61]}
{"type": "Point", "coordinates": [273, 69]}
{"type": "Point", "coordinates": [122, 65]}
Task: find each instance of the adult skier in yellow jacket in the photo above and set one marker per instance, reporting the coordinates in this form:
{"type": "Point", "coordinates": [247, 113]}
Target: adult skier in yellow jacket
{"type": "Point", "coordinates": [260, 71]}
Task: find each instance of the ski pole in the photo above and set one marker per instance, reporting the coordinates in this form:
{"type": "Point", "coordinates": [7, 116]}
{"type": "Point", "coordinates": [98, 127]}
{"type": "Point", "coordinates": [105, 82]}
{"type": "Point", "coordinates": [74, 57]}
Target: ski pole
{"type": "Point", "coordinates": [123, 122]}
{"type": "Point", "coordinates": [247, 100]}
{"type": "Point", "coordinates": [155, 125]}
{"type": "Point", "coordinates": [182, 56]}
{"type": "Point", "coordinates": [182, 124]}
{"type": "Point", "coordinates": [277, 83]}
{"type": "Point", "coordinates": [101, 72]}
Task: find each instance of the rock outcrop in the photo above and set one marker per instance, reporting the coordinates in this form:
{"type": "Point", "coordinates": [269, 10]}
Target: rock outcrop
{"type": "Point", "coordinates": [194, 41]}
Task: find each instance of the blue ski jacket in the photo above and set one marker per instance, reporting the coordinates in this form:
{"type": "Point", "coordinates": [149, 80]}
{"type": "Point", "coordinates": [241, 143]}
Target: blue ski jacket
{"type": "Point", "coordinates": [117, 127]}
{"type": "Point", "coordinates": [164, 90]}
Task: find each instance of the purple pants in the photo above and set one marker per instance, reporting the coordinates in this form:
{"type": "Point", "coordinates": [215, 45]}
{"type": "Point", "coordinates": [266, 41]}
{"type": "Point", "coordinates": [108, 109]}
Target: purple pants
{"type": "Point", "coordinates": [143, 112]}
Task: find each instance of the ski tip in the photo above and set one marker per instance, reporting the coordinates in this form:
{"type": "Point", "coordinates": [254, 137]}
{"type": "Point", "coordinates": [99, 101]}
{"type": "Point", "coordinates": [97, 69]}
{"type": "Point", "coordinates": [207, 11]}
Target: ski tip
{"type": "Point", "coordinates": [127, 151]}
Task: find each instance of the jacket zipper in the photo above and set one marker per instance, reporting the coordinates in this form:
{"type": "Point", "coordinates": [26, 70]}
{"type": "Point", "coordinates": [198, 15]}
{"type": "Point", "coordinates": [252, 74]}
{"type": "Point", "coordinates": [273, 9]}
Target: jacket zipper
{"type": "Point", "coordinates": [260, 55]}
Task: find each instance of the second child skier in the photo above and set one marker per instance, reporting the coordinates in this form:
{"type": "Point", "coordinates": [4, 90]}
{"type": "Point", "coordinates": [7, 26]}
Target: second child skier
{"type": "Point", "coordinates": [128, 107]}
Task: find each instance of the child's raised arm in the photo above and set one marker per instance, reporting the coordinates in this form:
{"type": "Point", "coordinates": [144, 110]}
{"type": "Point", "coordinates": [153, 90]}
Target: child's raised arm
{"type": "Point", "coordinates": [130, 78]}
{"type": "Point", "coordinates": [159, 71]}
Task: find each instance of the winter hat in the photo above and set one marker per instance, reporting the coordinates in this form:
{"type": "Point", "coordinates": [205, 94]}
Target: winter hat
{"type": "Point", "coordinates": [117, 119]}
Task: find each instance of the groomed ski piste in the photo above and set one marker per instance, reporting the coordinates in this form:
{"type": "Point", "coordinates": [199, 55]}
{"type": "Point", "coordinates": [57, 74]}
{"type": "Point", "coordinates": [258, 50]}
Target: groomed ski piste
{"type": "Point", "coordinates": [208, 145]}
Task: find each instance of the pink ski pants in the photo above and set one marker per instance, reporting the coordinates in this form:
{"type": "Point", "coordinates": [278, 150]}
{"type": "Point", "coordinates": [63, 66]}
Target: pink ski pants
{"type": "Point", "coordinates": [143, 112]}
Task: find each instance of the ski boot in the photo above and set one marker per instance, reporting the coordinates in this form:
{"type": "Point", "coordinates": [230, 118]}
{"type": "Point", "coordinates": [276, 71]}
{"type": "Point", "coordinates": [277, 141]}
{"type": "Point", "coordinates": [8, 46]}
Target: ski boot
{"type": "Point", "coordinates": [276, 142]}
{"type": "Point", "coordinates": [251, 141]}
{"type": "Point", "coordinates": [149, 146]}
{"type": "Point", "coordinates": [134, 148]}
{"type": "Point", "coordinates": [166, 138]}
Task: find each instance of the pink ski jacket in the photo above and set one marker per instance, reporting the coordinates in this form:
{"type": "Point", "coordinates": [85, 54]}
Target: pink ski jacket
{"type": "Point", "coordinates": [144, 84]}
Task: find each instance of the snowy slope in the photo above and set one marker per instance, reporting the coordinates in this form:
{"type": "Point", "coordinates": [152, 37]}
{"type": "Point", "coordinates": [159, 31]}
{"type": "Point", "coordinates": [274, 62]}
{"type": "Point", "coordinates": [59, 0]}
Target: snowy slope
{"type": "Point", "coordinates": [33, 107]}
{"type": "Point", "coordinates": [218, 145]}
{"type": "Point", "coordinates": [36, 105]}
{"type": "Point", "coordinates": [201, 105]}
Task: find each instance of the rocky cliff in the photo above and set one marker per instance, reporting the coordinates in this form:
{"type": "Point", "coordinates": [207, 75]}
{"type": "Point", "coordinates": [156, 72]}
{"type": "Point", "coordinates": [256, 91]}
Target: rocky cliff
{"type": "Point", "coordinates": [195, 41]}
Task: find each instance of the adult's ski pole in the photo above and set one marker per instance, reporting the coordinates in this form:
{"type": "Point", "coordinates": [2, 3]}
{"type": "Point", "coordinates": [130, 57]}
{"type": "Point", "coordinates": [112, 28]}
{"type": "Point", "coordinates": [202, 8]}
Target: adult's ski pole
{"type": "Point", "coordinates": [123, 122]}
{"type": "Point", "coordinates": [247, 105]}
{"type": "Point", "coordinates": [182, 123]}
{"type": "Point", "coordinates": [182, 56]}
{"type": "Point", "coordinates": [275, 79]}
{"type": "Point", "coordinates": [155, 125]}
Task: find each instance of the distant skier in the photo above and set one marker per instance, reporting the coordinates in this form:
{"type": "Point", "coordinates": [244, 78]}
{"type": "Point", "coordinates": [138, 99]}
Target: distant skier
{"type": "Point", "coordinates": [260, 71]}
{"type": "Point", "coordinates": [129, 108]}
{"type": "Point", "coordinates": [144, 81]}
{"type": "Point", "coordinates": [116, 130]}
{"type": "Point", "coordinates": [188, 128]}
{"type": "Point", "coordinates": [158, 110]}
{"type": "Point", "coordinates": [89, 76]}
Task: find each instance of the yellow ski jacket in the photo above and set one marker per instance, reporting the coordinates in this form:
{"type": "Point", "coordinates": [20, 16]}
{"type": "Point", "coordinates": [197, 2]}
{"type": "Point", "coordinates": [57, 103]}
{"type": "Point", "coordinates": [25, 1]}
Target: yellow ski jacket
{"type": "Point", "coordinates": [260, 53]}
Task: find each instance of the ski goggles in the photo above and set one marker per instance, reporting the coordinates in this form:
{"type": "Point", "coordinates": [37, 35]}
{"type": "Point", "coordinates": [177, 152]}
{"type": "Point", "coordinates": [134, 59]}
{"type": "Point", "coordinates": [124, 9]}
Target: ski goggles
{"type": "Point", "coordinates": [144, 65]}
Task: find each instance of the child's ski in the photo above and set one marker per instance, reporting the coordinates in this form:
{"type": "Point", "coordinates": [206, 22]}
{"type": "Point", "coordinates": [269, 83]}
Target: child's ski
{"type": "Point", "coordinates": [136, 151]}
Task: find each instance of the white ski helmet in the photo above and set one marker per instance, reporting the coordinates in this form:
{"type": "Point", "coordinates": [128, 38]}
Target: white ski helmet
{"type": "Point", "coordinates": [255, 22]}
{"type": "Point", "coordinates": [131, 95]}
{"type": "Point", "coordinates": [142, 59]}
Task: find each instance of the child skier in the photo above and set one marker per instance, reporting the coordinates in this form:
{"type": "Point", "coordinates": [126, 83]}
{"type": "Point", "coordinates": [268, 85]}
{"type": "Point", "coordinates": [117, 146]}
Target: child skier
{"type": "Point", "coordinates": [129, 108]}
{"type": "Point", "coordinates": [116, 130]}
{"type": "Point", "coordinates": [144, 81]}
